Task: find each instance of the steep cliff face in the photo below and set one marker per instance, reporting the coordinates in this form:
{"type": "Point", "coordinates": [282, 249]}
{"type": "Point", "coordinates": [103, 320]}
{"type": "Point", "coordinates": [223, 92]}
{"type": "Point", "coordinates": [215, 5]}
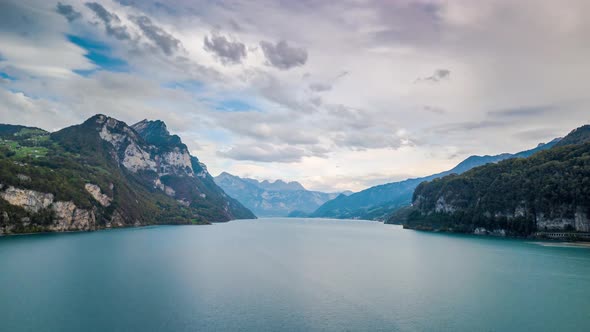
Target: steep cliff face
{"type": "Point", "coordinates": [549, 191]}
{"type": "Point", "coordinates": [64, 216]}
{"type": "Point", "coordinates": [185, 178]}
{"type": "Point", "coordinates": [101, 174]}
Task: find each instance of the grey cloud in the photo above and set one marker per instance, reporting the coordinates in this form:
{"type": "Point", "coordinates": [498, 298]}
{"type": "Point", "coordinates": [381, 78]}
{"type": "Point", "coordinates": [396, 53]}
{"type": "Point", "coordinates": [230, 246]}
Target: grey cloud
{"type": "Point", "coordinates": [320, 87]}
{"type": "Point", "coordinates": [278, 92]}
{"type": "Point", "coordinates": [342, 74]}
{"type": "Point", "coordinates": [67, 11]}
{"type": "Point", "coordinates": [277, 127]}
{"type": "Point", "coordinates": [523, 111]}
{"type": "Point", "coordinates": [363, 140]}
{"type": "Point", "coordinates": [538, 134]}
{"type": "Point", "coordinates": [283, 56]}
{"type": "Point", "coordinates": [414, 23]}
{"type": "Point", "coordinates": [111, 21]}
{"type": "Point", "coordinates": [437, 76]}
{"type": "Point", "coordinates": [264, 153]}
{"type": "Point", "coordinates": [434, 109]}
{"type": "Point", "coordinates": [468, 126]}
{"type": "Point", "coordinates": [164, 40]}
{"type": "Point", "coordinates": [227, 51]}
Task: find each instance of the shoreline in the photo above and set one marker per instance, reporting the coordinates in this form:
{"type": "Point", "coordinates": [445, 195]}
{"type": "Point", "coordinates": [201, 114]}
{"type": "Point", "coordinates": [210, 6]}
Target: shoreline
{"type": "Point", "coordinates": [563, 244]}
{"type": "Point", "coordinates": [99, 229]}
{"type": "Point", "coordinates": [543, 241]}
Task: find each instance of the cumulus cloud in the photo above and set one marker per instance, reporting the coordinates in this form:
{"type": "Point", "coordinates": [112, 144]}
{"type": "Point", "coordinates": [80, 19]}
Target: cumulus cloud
{"type": "Point", "coordinates": [112, 22]}
{"type": "Point", "coordinates": [283, 56]}
{"type": "Point", "coordinates": [18, 108]}
{"type": "Point", "coordinates": [68, 12]}
{"type": "Point", "coordinates": [228, 51]}
{"type": "Point", "coordinates": [437, 76]}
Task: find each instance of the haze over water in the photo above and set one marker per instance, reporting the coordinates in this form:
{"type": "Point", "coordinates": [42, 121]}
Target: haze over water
{"type": "Point", "coordinates": [289, 275]}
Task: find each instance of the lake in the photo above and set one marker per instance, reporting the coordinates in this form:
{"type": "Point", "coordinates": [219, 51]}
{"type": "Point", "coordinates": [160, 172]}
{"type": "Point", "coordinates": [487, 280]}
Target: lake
{"type": "Point", "coordinates": [289, 275]}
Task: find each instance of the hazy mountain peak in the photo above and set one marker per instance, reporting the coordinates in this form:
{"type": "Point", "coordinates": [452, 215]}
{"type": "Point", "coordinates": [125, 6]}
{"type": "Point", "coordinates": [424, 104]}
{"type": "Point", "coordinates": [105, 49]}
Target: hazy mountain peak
{"type": "Point", "coordinates": [272, 198]}
{"type": "Point", "coordinates": [281, 185]}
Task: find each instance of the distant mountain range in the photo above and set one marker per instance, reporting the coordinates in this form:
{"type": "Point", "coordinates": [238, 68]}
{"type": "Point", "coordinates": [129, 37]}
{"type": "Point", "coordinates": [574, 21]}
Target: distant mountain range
{"type": "Point", "coordinates": [378, 202]}
{"type": "Point", "coordinates": [102, 174]}
{"type": "Point", "coordinates": [272, 199]}
{"type": "Point", "coordinates": [546, 192]}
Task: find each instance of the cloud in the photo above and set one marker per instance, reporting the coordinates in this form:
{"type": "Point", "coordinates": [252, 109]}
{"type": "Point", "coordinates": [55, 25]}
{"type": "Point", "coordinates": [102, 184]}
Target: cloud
{"type": "Point", "coordinates": [320, 87]}
{"type": "Point", "coordinates": [283, 56]}
{"type": "Point", "coordinates": [34, 45]}
{"type": "Point", "coordinates": [228, 51]}
{"type": "Point", "coordinates": [112, 22]}
{"type": "Point", "coordinates": [538, 134]}
{"type": "Point", "coordinates": [462, 127]}
{"type": "Point", "coordinates": [523, 111]}
{"type": "Point", "coordinates": [437, 76]}
{"type": "Point", "coordinates": [434, 109]}
{"type": "Point", "coordinates": [264, 153]}
{"type": "Point", "coordinates": [18, 108]}
{"type": "Point", "coordinates": [163, 40]}
{"type": "Point", "coordinates": [358, 119]}
{"type": "Point", "coordinates": [68, 12]}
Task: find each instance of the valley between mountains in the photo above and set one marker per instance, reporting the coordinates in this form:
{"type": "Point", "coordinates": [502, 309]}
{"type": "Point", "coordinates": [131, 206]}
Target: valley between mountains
{"type": "Point", "coordinates": [104, 173]}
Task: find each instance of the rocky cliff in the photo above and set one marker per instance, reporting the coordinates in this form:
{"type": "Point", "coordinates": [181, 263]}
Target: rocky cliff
{"type": "Point", "coordinates": [103, 174]}
{"type": "Point", "coordinates": [548, 191]}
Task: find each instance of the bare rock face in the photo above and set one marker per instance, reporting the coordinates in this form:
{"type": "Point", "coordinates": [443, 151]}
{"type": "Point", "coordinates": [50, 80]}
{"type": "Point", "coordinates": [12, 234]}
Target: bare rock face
{"type": "Point", "coordinates": [581, 221]}
{"type": "Point", "coordinates": [167, 190]}
{"type": "Point", "coordinates": [97, 194]}
{"type": "Point", "coordinates": [23, 178]}
{"type": "Point", "coordinates": [443, 206]}
{"type": "Point", "coordinates": [137, 159]}
{"type": "Point", "coordinates": [176, 162]}
{"type": "Point", "coordinates": [135, 154]}
{"type": "Point", "coordinates": [30, 200]}
{"type": "Point", "coordinates": [71, 218]}
{"type": "Point", "coordinates": [578, 222]}
{"type": "Point", "coordinates": [116, 221]}
{"type": "Point", "coordinates": [68, 217]}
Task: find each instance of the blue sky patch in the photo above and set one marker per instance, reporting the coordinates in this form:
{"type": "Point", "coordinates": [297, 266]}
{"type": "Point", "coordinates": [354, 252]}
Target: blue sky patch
{"type": "Point", "coordinates": [234, 105]}
{"type": "Point", "coordinates": [189, 85]}
{"type": "Point", "coordinates": [6, 76]}
{"type": "Point", "coordinates": [99, 54]}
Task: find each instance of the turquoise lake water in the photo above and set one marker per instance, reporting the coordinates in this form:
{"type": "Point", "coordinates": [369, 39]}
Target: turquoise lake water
{"type": "Point", "coordinates": [289, 275]}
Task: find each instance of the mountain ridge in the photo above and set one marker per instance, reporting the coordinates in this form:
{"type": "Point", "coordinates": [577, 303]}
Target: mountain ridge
{"type": "Point", "coordinates": [272, 199]}
{"type": "Point", "coordinates": [102, 173]}
{"type": "Point", "coordinates": [545, 192]}
{"type": "Point", "coordinates": [379, 201]}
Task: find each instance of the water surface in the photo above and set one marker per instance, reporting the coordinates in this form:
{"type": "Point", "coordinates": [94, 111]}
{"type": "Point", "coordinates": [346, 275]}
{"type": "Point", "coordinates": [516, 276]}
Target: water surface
{"type": "Point", "coordinates": [289, 275]}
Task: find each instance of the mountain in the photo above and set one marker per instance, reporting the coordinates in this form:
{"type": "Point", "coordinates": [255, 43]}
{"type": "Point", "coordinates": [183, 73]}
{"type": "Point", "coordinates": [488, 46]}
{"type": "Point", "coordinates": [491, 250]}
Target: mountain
{"type": "Point", "coordinates": [272, 199]}
{"type": "Point", "coordinates": [548, 191]}
{"type": "Point", "coordinates": [378, 202]}
{"type": "Point", "coordinates": [102, 174]}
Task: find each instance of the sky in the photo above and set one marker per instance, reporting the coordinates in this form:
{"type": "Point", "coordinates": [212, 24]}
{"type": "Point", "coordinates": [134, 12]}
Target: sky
{"type": "Point", "coordinates": [338, 95]}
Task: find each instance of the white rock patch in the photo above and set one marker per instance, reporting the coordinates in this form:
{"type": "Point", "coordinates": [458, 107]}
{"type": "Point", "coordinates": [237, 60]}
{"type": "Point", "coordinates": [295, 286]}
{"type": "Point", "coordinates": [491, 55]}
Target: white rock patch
{"type": "Point", "coordinates": [97, 194]}
{"type": "Point", "coordinates": [30, 200]}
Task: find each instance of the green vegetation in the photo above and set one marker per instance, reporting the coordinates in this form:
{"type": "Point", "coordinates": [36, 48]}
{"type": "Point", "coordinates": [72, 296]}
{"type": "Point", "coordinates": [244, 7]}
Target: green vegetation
{"type": "Point", "coordinates": [379, 202]}
{"type": "Point", "coordinates": [62, 163]}
{"type": "Point", "coordinates": [512, 195]}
